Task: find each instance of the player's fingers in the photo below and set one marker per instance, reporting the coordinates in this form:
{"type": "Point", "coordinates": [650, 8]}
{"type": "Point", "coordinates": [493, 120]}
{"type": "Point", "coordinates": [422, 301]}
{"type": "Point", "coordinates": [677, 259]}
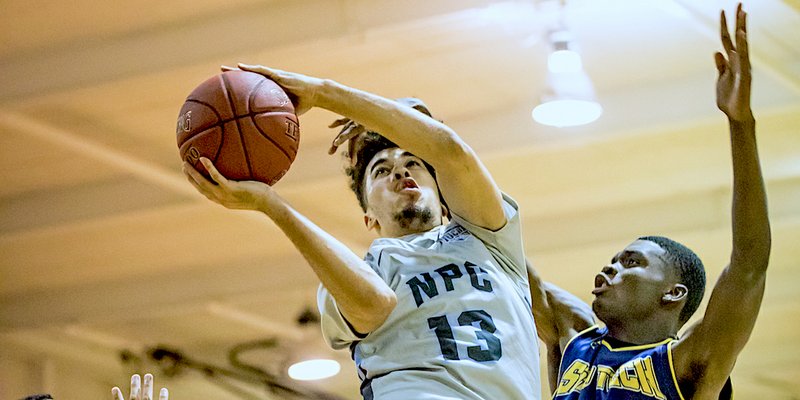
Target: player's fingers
{"type": "Point", "coordinates": [741, 41]}
{"type": "Point", "coordinates": [260, 69]}
{"type": "Point", "coordinates": [337, 141]}
{"type": "Point", "coordinates": [339, 122]}
{"type": "Point", "coordinates": [147, 387]}
{"type": "Point", "coordinates": [739, 17]}
{"type": "Point", "coordinates": [163, 394]}
{"type": "Point", "coordinates": [719, 60]}
{"type": "Point", "coordinates": [117, 393]}
{"type": "Point", "coordinates": [227, 68]}
{"type": "Point", "coordinates": [215, 175]}
{"type": "Point", "coordinates": [203, 185]}
{"type": "Point", "coordinates": [194, 176]}
{"type": "Point", "coordinates": [724, 35]}
{"type": "Point", "coordinates": [136, 387]}
{"type": "Point", "coordinates": [744, 19]}
{"type": "Point", "coordinates": [744, 57]}
{"type": "Point", "coordinates": [348, 134]}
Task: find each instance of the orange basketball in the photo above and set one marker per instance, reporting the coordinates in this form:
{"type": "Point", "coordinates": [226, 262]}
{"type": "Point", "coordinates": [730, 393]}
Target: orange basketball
{"type": "Point", "coordinates": [244, 123]}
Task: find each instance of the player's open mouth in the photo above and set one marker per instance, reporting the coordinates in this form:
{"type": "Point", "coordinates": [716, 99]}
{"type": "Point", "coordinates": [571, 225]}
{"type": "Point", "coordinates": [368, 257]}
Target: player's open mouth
{"type": "Point", "coordinates": [408, 183]}
{"type": "Point", "coordinates": [601, 283]}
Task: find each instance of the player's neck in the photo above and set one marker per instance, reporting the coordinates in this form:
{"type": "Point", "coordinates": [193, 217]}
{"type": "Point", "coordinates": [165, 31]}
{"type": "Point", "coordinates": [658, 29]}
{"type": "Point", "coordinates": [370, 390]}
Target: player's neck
{"type": "Point", "coordinates": [395, 230]}
{"type": "Point", "coordinates": [642, 332]}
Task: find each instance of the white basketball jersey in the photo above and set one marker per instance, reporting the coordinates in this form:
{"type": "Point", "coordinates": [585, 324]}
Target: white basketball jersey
{"type": "Point", "coordinates": [462, 327]}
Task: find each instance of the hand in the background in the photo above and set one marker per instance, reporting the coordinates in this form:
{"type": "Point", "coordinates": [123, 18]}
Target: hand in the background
{"type": "Point", "coordinates": [140, 391]}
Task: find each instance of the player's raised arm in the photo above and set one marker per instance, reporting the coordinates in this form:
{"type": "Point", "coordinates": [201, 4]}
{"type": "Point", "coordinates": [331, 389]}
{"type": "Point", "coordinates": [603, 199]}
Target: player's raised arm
{"type": "Point", "coordinates": [362, 296]}
{"type": "Point", "coordinates": [710, 347]}
{"type": "Point", "coordinates": [464, 181]}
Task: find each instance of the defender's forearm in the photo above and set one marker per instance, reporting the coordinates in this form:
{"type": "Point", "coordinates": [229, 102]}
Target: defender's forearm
{"type": "Point", "coordinates": [751, 230]}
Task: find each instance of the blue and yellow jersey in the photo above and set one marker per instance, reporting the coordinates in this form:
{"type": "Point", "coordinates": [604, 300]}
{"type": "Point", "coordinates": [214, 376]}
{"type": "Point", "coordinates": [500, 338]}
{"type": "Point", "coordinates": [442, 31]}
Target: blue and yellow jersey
{"type": "Point", "coordinates": [595, 367]}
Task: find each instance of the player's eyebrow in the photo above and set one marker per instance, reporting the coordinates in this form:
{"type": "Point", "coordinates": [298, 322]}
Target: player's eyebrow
{"type": "Point", "coordinates": [628, 253]}
{"type": "Point", "coordinates": [378, 162]}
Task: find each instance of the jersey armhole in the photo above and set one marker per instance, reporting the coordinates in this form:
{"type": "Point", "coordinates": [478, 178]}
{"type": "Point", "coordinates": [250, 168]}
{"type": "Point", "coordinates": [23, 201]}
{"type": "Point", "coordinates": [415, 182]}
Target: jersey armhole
{"type": "Point", "coordinates": [564, 351]}
{"type": "Point", "coordinates": [357, 334]}
{"type": "Point", "coordinates": [727, 389]}
{"type": "Point", "coordinates": [569, 342]}
{"type": "Point", "coordinates": [672, 370]}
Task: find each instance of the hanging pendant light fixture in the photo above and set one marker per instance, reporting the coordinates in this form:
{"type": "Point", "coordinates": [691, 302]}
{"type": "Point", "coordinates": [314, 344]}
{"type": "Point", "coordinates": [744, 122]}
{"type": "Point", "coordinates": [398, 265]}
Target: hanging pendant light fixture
{"type": "Point", "coordinates": [569, 98]}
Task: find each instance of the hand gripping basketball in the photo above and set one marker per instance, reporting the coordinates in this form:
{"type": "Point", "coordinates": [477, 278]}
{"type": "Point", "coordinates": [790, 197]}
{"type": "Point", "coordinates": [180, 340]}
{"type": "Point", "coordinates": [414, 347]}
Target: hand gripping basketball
{"type": "Point", "coordinates": [302, 89]}
{"type": "Point", "coordinates": [243, 122]}
{"type": "Point", "coordinates": [236, 195]}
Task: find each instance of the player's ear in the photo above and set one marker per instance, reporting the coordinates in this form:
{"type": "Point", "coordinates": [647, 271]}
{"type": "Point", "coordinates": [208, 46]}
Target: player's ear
{"type": "Point", "coordinates": [676, 294]}
{"type": "Point", "coordinates": [445, 212]}
{"type": "Point", "coordinates": [371, 222]}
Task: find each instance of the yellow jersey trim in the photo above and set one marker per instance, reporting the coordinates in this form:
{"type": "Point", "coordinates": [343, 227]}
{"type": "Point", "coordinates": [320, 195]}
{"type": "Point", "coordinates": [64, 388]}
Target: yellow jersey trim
{"type": "Point", "coordinates": [561, 361]}
{"type": "Point", "coordinates": [672, 371]}
{"type": "Point", "coordinates": [595, 326]}
{"type": "Point", "coordinates": [638, 347]}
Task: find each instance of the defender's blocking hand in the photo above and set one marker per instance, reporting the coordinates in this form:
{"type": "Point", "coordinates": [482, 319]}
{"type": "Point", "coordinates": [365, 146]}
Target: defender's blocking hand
{"type": "Point", "coordinates": [733, 84]}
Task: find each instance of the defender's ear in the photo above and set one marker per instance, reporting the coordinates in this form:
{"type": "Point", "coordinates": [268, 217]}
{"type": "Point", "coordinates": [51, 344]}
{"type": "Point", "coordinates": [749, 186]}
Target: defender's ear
{"type": "Point", "coordinates": [678, 293]}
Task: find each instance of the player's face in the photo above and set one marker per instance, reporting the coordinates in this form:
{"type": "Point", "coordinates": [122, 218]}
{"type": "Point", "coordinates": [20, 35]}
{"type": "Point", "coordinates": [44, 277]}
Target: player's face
{"type": "Point", "coordinates": [632, 285]}
{"type": "Point", "coordinates": [402, 195]}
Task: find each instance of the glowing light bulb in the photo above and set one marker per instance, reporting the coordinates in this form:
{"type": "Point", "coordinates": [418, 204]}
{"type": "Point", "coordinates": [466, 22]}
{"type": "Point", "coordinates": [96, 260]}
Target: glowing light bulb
{"type": "Point", "coordinates": [310, 370]}
{"type": "Point", "coordinates": [564, 113]}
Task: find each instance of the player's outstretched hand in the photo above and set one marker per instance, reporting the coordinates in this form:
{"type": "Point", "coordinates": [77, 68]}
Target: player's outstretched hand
{"type": "Point", "coordinates": [140, 391]}
{"type": "Point", "coordinates": [733, 84]}
{"type": "Point", "coordinates": [301, 89]}
{"type": "Point", "coordinates": [237, 195]}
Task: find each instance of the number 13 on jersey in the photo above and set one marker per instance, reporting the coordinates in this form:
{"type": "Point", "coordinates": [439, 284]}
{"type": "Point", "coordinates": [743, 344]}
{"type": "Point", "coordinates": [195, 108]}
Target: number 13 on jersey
{"type": "Point", "coordinates": [488, 347]}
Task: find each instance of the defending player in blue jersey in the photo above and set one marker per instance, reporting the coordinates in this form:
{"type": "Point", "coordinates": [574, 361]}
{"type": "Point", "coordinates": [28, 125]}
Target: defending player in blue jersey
{"type": "Point", "coordinates": [440, 306]}
{"type": "Point", "coordinates": [650, 289]}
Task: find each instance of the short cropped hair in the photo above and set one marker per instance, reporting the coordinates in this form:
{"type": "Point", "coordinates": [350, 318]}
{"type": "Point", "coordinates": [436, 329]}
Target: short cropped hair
{"type": "Point", "coordinates": [691, 272]}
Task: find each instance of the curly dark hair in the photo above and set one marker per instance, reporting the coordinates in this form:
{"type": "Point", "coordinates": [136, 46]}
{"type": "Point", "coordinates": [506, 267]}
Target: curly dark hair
{"type": "Point", "coordinates": [691, 272]}
{"type": "Point", "coordinates": [371, 143]}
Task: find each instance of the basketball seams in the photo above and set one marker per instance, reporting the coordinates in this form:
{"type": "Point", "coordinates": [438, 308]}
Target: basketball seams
{"type": "Point", "coordinates": [250, 100]}
{"type": "Point", "coordinates": [261, 123]}
{"type": "Point", "coordinates": [219, 122]}
{"type": "Point", "coordinates": [229, 95]}
{"type": "Point", "coordinates": [277, 145]}
{"type": "Point", "coordinates": [269, 110]}
{"type": "Point", "coordinates": [222, 123]}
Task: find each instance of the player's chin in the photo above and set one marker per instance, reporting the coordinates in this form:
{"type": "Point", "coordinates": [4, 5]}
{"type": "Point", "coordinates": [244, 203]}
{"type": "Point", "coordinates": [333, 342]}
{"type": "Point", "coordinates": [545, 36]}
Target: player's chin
{"type": "Point", "coordinates": [600, 307]}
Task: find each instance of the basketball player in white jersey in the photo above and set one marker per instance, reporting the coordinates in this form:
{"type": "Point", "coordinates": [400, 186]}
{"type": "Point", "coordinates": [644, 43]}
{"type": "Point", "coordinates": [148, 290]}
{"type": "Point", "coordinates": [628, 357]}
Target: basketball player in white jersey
{"type": "Point", "coordinates": [440, 307]}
